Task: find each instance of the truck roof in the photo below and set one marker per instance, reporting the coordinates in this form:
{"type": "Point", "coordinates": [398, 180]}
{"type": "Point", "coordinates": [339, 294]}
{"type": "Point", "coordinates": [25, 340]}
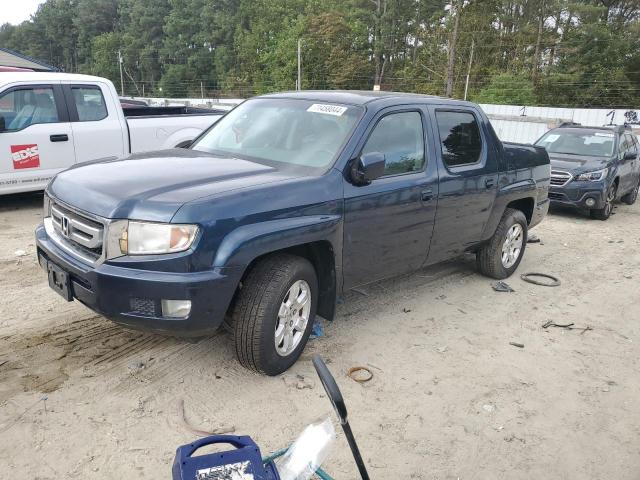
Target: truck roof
{"type": "Point", "coordinates": [361, 97]}
{"type": "Point", "coordinates": [11, 77]}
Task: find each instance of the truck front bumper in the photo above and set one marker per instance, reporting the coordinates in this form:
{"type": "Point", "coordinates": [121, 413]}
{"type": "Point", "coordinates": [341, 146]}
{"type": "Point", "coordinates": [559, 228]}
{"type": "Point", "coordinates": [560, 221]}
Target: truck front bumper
{"type": "Point", "coordinates": [580, 194]}
{"type": "Point", "coordinates": [133, 297]}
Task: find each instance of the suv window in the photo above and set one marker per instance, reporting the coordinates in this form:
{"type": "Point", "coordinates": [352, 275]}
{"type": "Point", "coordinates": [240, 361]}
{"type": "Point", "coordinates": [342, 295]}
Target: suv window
{"type": "Point", "coordinates": [28, 106]}
{"type": "Point", "coordinates": [459, 137]}
{"type": "Point", "coordinates": [89, 103]}
{"type": "Point", "coordinates": [630, 143]}
{"type": "Point", "coordinates": [400, 137]}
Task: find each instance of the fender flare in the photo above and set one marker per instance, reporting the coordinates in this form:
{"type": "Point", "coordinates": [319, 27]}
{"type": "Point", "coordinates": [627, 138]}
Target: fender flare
{"type": "Point", "coordinates": [181, 136]}
{"type": "Point", "coordinates": [520, 190]}
{"type": "Point", "coordinates": [248, 242]}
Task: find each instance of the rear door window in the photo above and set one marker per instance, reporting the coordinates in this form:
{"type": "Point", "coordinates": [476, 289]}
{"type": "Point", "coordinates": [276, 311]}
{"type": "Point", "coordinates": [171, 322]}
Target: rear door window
{"type": "Point", "coordinates": [401, 138]}
{"type": "Point", "coordinates": [460, 138]}
{"type": "Point", "coordinates": [631, 145]}
{"type": "Point", "coordinates": [23, 107]}
{"type": "Point", "coordinates": [89, 103]}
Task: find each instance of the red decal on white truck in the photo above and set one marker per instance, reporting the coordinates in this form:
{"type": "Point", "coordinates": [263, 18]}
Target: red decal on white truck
{"type": "Point", "coordinates": [25, 156]}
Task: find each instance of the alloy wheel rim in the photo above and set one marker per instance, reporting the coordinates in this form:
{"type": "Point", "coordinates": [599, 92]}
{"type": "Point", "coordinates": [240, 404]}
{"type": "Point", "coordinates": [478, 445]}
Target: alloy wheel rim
{"type": "Point", "coordinates": [608, 207]}
{"type": "Point", "coordinates": [293, 317]}
{"type": "Point", "coordinates": [512, 245]}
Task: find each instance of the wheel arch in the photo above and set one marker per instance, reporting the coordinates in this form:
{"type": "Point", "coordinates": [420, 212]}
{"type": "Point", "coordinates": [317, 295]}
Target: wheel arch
{"type": "Point", "coordinates": [322, 256]}
{"type": "Point", "coordinates": [525, 205]}
{"type": "Point", "coordinates": [316, 238]}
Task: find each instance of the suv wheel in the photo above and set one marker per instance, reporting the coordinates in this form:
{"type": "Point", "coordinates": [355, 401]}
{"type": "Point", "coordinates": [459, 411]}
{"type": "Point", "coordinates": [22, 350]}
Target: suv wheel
{"type": "Point", "coordinates": [605, 212]}
{"type": "Point", "coordinates": [274, 313]}
{"type": "Point", "coordinates": [501, 256]}
{"type": "Point", "coordinates": [631, 197]}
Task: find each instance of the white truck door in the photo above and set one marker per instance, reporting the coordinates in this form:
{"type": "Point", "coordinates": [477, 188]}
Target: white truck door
{"type": "Point", "coordinates": [36, 140]}
{"type": "Point", "coordinates": [96, 120]}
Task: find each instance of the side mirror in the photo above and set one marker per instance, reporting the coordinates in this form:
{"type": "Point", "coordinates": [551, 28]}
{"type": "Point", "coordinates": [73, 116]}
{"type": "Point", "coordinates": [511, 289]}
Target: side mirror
{"type": "Point", "coordinates": [630, 155]}
{"type": "Point", "coordinates": [3, 125]}
{"type": "Point", "coordinates": [367, 168]}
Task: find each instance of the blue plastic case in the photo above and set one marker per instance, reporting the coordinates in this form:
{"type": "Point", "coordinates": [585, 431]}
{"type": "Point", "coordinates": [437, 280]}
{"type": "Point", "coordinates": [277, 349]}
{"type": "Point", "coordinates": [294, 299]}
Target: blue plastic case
{"type": "Point", "coordinates": [244, 462]}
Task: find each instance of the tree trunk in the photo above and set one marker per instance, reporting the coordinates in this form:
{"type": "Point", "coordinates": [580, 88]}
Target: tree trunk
{"type": "Point", "coordinates": [455, 10]}
{"type": "Point", "coordinates": [536, 55]}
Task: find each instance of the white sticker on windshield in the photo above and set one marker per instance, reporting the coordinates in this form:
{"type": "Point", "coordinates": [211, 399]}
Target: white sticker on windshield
{"type": "Point", "coordinates": [598, 134]}
{"type": "Point", "coordinates": [335, 110]}
{"type": "Point", "coordinates": [552, 138]}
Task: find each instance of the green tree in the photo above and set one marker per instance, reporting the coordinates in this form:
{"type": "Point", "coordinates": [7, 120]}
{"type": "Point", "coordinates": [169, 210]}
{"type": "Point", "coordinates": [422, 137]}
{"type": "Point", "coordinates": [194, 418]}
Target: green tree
{"type": "Point", "coordinates": [507, 89]}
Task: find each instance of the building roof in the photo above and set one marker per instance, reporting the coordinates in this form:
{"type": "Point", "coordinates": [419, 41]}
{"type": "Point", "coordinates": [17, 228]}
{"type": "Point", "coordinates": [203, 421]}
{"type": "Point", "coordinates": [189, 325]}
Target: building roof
{"type": "Point", "coordinates": [9, 58]}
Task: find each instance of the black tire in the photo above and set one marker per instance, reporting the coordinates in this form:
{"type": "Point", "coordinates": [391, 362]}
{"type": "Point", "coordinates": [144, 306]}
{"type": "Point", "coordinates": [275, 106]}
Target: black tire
{"type": "Point", "coordinates": [255, 313]}
{"type": "Point", "coordinates": [631, 197]}
{"type": "Point", "coordinates": [489, 257]}
{"type": "Point", "coordinates": [605, 212]}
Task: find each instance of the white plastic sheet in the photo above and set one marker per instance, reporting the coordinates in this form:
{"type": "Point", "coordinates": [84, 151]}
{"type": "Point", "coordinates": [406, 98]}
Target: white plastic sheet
{"type": "Point", "coordinates": [308, 452]}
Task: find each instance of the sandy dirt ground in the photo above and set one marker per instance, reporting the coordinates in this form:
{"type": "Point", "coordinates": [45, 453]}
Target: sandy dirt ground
{"type": "Point", "coordinates": [450, 397]}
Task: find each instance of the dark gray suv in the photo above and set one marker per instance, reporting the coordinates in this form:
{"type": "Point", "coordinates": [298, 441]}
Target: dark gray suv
{"type": "Point", "coordinates": [591, 167]}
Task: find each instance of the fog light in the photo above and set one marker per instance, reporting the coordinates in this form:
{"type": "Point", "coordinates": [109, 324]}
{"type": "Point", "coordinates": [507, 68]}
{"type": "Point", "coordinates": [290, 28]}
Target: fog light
{"type": "Point", "coordinates": [176, 308]}
{"type": "Point", "coordinates": [590, 202]}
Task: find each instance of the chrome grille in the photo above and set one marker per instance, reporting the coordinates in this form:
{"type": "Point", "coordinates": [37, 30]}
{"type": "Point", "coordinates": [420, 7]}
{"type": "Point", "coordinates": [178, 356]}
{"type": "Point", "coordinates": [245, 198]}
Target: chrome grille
{"type": "Point", "coordinates": [560, 178]}
{"type": "Point", "coordinates": [77, 231]}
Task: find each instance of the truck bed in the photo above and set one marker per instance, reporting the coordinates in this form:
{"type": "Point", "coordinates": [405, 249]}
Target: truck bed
{"type": "Point", "coordinates": [146, 111]}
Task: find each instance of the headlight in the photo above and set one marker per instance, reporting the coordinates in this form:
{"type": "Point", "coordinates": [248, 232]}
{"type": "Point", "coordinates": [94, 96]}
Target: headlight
{"type": "Point", "coordinates": [143, 238]}
{"type": "Point", "coordinates": [46, 207]}
{"type": "Point", "coordinates": [593, 176]}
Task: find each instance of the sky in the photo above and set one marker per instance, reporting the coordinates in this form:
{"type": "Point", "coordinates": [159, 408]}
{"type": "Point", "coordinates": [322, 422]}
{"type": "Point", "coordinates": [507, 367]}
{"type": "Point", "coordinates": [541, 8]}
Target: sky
{"type": "Point", "coordinates": [17, 11]}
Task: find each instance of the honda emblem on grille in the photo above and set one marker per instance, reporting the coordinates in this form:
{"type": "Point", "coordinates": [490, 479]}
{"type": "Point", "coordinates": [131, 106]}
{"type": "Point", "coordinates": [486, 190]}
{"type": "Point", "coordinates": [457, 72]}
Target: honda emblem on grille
{"type": "Point", "coordinates": [64, 222]}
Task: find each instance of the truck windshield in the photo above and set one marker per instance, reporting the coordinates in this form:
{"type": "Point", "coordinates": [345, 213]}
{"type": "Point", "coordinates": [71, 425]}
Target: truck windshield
{"type": "Point", "coordinates": [284, 131]}
{"type": "Point", "coordinates": [590, 144]}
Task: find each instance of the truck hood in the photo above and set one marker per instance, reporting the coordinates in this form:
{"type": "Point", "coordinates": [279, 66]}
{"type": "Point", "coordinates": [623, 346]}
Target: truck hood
{"type": "Point", "coordinates": [152, 186]}
{"type": "Point", "coordinates": [577, 163]}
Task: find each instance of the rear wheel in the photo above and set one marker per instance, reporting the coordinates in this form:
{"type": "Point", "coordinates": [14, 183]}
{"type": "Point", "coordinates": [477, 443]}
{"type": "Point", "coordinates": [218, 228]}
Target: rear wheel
{"type": "Point", "coordinates": [605, 212]}
{"type": "Point", "coordinates": [501, 256]}
{"type": "Point", "coordinates": [631, 197]}
{"type": "Point", "coordinates": [274, 313]}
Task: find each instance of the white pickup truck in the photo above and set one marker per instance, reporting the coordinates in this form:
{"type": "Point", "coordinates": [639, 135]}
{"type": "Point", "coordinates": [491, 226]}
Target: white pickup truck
{"type": "Point", "coordinates": [50, 121]}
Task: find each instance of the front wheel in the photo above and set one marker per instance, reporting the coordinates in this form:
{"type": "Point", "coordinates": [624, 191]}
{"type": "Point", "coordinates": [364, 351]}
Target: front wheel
{"type": "Point", "coordinates": [274, 313]}
{"type": "Point", "coordinates": [501, 256]}
{"type": "Point", "coordinates": [605, 212]}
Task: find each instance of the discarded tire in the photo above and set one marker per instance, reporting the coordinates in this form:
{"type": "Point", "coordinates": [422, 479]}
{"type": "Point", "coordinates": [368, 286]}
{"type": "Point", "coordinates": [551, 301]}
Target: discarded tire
{"type": "Point", "coordinates": [531, 278]}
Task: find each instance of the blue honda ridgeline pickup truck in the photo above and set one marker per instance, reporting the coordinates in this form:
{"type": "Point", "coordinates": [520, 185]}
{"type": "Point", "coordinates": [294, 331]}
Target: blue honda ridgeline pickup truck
{"type": "Point", "coordinates": [283, 204]}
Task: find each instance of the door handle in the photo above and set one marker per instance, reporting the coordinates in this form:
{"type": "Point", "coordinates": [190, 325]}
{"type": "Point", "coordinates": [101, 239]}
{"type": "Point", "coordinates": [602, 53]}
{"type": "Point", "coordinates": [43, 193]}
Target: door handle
{"type": "Point", "coordinates": [59, 138]}
{"type": "Point", "coordinates": [489, 182]}
{"type": "Point", "coordinates": [426, 195]}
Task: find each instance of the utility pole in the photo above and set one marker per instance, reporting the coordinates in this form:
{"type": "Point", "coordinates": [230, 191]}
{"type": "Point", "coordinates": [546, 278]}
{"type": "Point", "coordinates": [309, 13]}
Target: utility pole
{"type": "Point", "coordinates": [121, 77]}
{"type": "Point", "coordinates": [299, 81]}
{"type": "Point", "coordinates": [466, 85]}
{"type": "Point", "coordinates": [456, 9]}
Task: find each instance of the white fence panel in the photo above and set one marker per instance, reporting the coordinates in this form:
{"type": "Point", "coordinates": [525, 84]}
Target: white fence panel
{"type": "Point", "coordinates": [516, 131]}
{"type": "Point", "coordinates": [517, 123]}
{"type": "Point", "coordinates": [512, 123]}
